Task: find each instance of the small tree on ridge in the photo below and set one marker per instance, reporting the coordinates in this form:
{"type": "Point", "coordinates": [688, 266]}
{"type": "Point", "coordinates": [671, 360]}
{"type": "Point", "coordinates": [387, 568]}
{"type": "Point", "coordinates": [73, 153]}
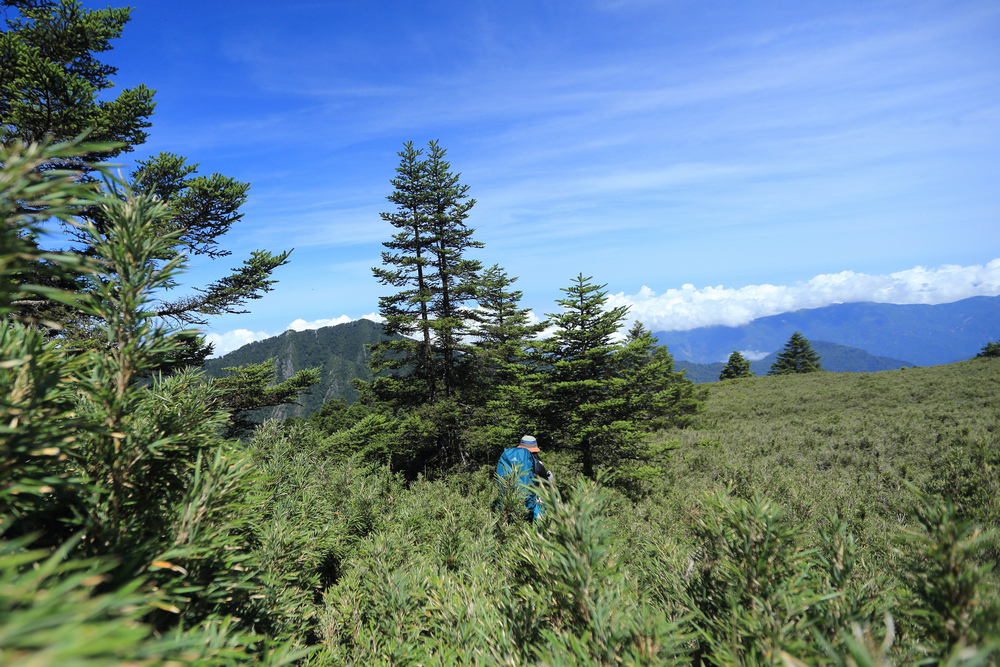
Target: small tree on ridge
{"type": "Point", "coordinates": [796, 357]}
{"type": "Point", "coordinates": [989, 350]}
{"type": "Point", "coordinates": [736, 367]}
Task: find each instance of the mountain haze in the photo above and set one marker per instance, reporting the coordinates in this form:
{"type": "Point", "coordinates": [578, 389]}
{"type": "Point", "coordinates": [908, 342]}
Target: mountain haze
{"type": "Point", "coordinates": [923, 334]}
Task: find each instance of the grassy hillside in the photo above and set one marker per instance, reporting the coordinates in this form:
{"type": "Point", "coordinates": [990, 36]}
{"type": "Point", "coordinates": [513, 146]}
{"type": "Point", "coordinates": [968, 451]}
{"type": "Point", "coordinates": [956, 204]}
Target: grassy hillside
{"type": "Point", "coordinates": [847, 441]}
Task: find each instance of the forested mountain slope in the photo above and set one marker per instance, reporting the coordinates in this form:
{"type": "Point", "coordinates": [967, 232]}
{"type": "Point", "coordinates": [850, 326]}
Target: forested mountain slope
{"type": "Point", "coordinates": [339, 350]}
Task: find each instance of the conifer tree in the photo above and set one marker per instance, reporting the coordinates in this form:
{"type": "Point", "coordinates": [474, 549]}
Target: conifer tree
{"type": "Point", "coordinates": [447, 207]}
{"type": "Point", "coordinates": [405, 267]}
{"type": "Point", "coordinates": [657, 395]}
{"type": "Point", "coordinates": [504, 330]}
{"type": "Point", "coordinates": [421, 378]}
{"type": "Point", "coordinates": [600, 397]}
{"type": "Point", "coordinates": [51, 82]}
{"type": "Point", "coordinates": [991, 349]}
{"type": "Point", "coordinates": [736, 367]}
{"type": "Point", "coordinates": [249, 388]}
{"type": "Point", "coordinates": [503, 361]}
{"type": "Point", "coordinates": [796, 357]}
{"type": "Point", "coordinates": [427, 261]}
{"type": "Point", "coordinates": [581, 365]}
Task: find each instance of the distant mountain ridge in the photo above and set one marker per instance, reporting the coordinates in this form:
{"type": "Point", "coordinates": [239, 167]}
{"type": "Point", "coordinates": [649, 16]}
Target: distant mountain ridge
{"type": "Point", "coordinates": [925, 335]}
{"type": "Point", "coordinates": [833, 357]}
{"type": "Point", "coordinates": [855, 337]}
{"type": "Point", "coordinates": [339, 350]}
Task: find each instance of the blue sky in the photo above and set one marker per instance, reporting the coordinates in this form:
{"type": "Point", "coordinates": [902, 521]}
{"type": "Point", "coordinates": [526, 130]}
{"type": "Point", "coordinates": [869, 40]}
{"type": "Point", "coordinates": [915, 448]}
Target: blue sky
{"type": "Point", "coordinates": [709, 162]}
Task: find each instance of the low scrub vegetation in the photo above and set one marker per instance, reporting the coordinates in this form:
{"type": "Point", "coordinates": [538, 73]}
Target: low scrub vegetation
{"type": "Point", "coordinates": [373, 570]}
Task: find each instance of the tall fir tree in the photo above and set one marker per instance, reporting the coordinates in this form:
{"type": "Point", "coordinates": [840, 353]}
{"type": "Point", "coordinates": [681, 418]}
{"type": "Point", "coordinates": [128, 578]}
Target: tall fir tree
{"type": "Point", "coordinates": [51, 80]}
{"type": "Point", "coordinates": [420, 376]}
{"type": "Point", "coordinates": [581, 364]}
{"type": "Point", "coordinates": [405, 266]}
{"type": "Point", "coordinates": [447, 207]}
{"type": "Point", "coordinates": [657, 395]}
{"type": "Point", "coordinates": [504, 330]}
{"type": "Point", "coordinates": [251, 387]}
{"type": "Point", "coordinates": [736, 367]}
{"type": "Point", "coordinates": [797, 356]}
{"type": "Point", "coordinates": [601, 397]}
{"type": "Point", "coordinates": [503, 360]}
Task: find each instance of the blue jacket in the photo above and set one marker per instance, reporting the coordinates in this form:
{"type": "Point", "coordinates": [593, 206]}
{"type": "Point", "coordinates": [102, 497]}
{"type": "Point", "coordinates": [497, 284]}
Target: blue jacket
{"type": "Point", "coordinates": [531, 470]}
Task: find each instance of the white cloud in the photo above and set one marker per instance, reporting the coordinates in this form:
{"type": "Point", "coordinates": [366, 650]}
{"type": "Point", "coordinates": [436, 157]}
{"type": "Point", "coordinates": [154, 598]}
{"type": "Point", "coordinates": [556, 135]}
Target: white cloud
{"type": "Point", "coordinates": [752, 355]}
{"type": "Point", "coordinates": [690, 307]}
{"type": "Point", "coordinates": [301, 325]}
{"type": "Point", "coordinates": [232, 340]}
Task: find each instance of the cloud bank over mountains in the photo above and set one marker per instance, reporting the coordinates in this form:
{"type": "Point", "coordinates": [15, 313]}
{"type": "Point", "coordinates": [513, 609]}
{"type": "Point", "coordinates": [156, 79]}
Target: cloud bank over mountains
{"type": "Point", "coordinates": [690, 307]}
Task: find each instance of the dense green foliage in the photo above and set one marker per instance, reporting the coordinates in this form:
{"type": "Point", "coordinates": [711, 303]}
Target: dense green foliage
{"type": "Point", "coordinates": [434, 281]}
{"type": "Point", "coordinates": [849, 442]}
{"type": "Point", "coordinates": [598, 398]}
{"type": "Point", "coordinates": [783, 530]}
{"type": "Point", "coordinates": [118, 479]}
{"type": "Point", "coordinates": [250, 388]}
{"type": "Point", "coordinates": [796, 357]}
{"type": "Point", "coordinates": [51, 79]}
{"type": "Point", "coordinates": [452, 382]}
{"type": "Point", "coordinates": [339, 352]}
{"type": "Point", "coordinates": [51, 86]}
{"type": "Point", "coordinates": [501, 361]}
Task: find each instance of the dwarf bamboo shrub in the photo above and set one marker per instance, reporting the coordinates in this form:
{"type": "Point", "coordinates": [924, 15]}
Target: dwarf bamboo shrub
{"type": "Point", "coordinates": [448, 577]}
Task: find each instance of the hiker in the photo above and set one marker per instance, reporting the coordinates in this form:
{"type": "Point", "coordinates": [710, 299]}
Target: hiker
{"type": "Point", "coordinates": [524, 459]}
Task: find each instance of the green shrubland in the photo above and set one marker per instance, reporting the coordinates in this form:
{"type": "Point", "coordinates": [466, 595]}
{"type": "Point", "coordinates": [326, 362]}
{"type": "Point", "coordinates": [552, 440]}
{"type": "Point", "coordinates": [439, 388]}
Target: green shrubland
{"type": "Point", "coordinates": [749, 546]}
{"type": "Point", "coordinates": [819, 518]}
{"type": "Point", "coordinates": [716, 572]}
